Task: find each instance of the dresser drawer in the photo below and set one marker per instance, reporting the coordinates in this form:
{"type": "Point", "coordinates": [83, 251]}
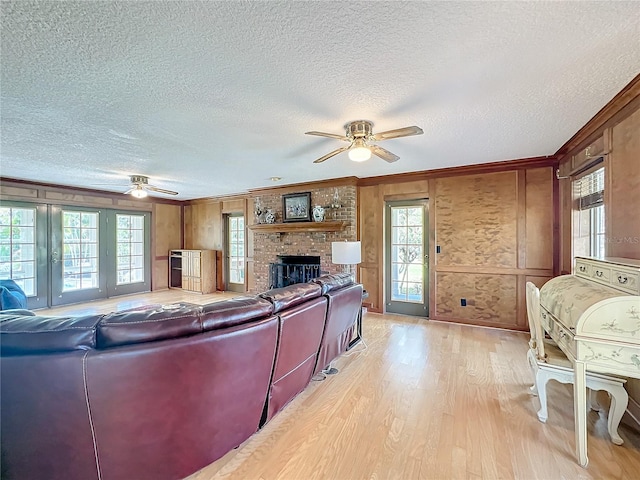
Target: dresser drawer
{"type": "Point", "coordinates": [547, 320]}
{"type": "Point", "coordinates": [628, 281]}
{"type": "Point", "coordinates": [561, 335]}
{"type": "Point", "coordinates": [601, 274]}
{"type": "Point", "coordinates": [583, 268]}
{"type": "Point", "coordinates": [564, 339]}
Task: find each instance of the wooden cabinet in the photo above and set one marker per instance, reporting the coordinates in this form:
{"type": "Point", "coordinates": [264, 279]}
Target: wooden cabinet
{"type": "Point", "coordinates": [193, 270]}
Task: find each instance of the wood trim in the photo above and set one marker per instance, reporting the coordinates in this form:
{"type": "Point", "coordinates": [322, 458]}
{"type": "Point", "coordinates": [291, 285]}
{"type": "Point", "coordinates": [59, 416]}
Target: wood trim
{"type": "Point", "coordinates": [521, 218]}
{"type": "Point", "coordinates": [556, 231]}
{"type": "Point", "coordinates": [298, 227]}
{"type": "Point", "coordinates": [296, 187]}
{"type": "Point", "coordinates": [481, 269]}
{"type": "Point", "coordinates": [114, 196]}
{"type": "Point", "coordinates": [432, 245]}
{"type": "Point", "coordinates": [600, 120]}
{"type": "Point", "coordinates": [523, 163]}
{"type": "Point", "coordinates": [477, 323]}
{"type": "Point", "coordinates": [217, 199]}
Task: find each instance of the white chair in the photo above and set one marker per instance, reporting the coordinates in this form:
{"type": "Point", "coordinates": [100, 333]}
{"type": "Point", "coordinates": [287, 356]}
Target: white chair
{"type": "Point", "coordinates": [548, 362]}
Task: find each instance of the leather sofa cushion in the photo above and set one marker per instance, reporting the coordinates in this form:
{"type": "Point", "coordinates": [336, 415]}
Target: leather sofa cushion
{"type": "Point", "coordinates": [26, 334]}
{"type": "Point", "coordinates": [234, 311]}
{"type": "Point", "coordinates": [125, 328]}
{"type": "Point", "coordinates": [292, 295]}
{"type": "Point", "coordinates": [333, 281]}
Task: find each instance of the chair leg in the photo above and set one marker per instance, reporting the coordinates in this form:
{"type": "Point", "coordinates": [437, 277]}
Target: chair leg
{"type": "Point", "coordinates": [541, 382]}
{"type": "Point", "coordinates": [533, 363]}
{"type": "Point", "coordinates": [592, 401]}
{"type": "Point", "coordinates": [619, 401]}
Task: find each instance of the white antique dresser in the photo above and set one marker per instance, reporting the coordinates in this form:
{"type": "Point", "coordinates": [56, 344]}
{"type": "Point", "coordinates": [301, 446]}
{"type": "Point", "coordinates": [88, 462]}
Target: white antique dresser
{"type": "Point", "coordinates": [594, 317]}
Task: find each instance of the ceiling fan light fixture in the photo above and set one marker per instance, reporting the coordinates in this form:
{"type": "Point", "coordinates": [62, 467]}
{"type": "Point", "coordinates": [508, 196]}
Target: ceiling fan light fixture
{"type": "Point", "coordinates": [139, 192]}
{"type": "Point", "coordinates": [359, 152]}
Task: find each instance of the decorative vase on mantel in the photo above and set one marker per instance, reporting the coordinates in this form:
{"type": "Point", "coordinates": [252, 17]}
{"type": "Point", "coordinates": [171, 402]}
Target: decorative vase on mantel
{"type": "Point", "coordinates": [318, 213]}
{"type": "Point", "coordinates": [269, 216]}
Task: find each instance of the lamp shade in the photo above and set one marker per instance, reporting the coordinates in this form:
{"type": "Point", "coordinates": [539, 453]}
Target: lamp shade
{"type": "Point", "coordinates": [345, 253]}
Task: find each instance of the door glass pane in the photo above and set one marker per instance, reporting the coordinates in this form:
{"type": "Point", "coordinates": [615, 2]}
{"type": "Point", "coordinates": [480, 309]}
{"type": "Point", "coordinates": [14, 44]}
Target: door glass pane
{"type": "Point", "coordinates": [17, 247]}
{"type": "Point", "coordinates": [80, 250]}
{"type": "Point", "coordinates": [407, 256]}
{"type": "Point", "coordinates": [236, 249]}
{"type": "Point", "coordinates": [130, 247]}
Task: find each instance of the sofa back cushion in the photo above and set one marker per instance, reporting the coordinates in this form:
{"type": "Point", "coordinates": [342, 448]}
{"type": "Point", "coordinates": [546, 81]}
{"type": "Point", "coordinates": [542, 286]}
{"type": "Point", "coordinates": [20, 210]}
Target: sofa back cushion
{"type": "Point", "coordinates": [342, 312]}
{"type": "Point", "coordinates": [234, 311]}
{"type": "Point", "coordinates": [27, 334]}
{"type": "Point", "coordinates": [139, 326]}
{"type": "Point", "coordinates": [334, 281]}
{"type": "Point", "coordinates": [292, 295]}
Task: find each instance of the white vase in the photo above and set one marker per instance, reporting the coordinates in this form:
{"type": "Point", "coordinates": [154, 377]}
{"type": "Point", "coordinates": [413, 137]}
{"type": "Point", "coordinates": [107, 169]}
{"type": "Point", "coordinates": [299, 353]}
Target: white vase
{"type": "Point", "coordinates": [270, 217]}
{"type": "Point", "coordinates": [318, 213]}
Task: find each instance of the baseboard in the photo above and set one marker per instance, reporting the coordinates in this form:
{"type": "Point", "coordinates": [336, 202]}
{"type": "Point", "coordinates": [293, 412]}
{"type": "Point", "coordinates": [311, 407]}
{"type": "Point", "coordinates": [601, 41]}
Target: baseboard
{"type": "Point", "coordinates": [632, 417]}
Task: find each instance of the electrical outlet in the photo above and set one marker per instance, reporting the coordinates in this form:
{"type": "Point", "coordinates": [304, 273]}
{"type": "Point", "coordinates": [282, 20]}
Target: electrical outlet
{"type": "Point", "coordinates": [463, 302]}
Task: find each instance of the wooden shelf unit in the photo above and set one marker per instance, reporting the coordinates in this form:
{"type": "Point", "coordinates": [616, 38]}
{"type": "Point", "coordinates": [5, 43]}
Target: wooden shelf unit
{"type": "Point", "coordinates": [298, 227]}
{"type": "Point", "coordinates": [193, 270]}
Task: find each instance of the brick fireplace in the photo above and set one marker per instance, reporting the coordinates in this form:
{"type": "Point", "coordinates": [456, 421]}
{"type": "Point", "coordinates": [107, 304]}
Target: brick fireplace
{"type": "Point", "coordinates": [268, 246]}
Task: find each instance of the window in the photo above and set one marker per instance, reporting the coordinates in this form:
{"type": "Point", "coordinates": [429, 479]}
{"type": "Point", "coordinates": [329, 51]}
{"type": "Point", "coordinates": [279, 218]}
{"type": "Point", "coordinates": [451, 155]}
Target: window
{"type": "Point", "coordinates": [589, 218]}
{"type": "Point", "coordinates": [80, 250]}
{"type": "Point", "coordinates": [18, 247]}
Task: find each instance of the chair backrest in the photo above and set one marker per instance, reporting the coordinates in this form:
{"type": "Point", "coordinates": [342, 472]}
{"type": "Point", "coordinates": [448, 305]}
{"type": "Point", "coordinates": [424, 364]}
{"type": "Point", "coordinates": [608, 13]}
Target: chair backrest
{"type": "Point", "coordinates": [535, 326]}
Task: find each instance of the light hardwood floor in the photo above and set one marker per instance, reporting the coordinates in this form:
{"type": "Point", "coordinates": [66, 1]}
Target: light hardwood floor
{"type": "Point", "coordinates": [423, 400]}
{"type": "Point", "coordinates": [116, 304]}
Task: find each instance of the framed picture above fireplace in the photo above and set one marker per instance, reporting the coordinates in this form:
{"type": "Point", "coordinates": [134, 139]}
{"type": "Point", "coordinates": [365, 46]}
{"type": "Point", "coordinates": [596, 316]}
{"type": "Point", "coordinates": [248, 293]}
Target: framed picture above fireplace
{"type": "Point", "coordinates": [296, 207]}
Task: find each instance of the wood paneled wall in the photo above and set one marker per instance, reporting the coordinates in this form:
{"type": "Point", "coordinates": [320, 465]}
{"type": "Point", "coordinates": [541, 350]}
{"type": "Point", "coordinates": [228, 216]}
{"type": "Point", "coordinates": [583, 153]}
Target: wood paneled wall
{"type": "Point", "coordinates": [495, 232]}
{"type": "Point", "coordinates": [622, 202]}
{"type": "Point", "coordinates": [166, 235]}
{"type": "Point", "coordinates": [204, 229]}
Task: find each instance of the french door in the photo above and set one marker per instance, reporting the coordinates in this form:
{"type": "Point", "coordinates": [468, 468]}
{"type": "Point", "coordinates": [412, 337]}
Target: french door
{"type": "Point", "coordinates": [23, 249]}
{"type": "Point", "coordinates": [407, 260]}
{"type": "Point", "coordinates": [60, 255]}
{"type": "Point", "coordinates": [78, 256]}
{"type": "Point", "coordinates": [235, 258]}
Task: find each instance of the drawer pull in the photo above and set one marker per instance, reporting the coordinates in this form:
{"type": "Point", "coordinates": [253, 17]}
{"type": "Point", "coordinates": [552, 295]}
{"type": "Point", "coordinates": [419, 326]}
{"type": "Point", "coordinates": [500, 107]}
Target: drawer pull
{"type": "Point", "coordinates": [582, 268]}
{"type": "Point", "coordinates": [623, 279]}
{"type": "Point", "coordinates": [598, 273]}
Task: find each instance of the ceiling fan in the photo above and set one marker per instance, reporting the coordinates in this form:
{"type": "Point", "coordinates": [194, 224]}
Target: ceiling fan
{"type": "Point", "coordinates": [360, 136]}
{"type": "Point", "coordinates": [140, 186]}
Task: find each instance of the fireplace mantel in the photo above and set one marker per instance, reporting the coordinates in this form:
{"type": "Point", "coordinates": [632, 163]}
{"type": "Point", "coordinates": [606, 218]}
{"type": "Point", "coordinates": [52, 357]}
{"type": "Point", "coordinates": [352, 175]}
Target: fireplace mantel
{"type": "Point", "coordinates": [298, 227]}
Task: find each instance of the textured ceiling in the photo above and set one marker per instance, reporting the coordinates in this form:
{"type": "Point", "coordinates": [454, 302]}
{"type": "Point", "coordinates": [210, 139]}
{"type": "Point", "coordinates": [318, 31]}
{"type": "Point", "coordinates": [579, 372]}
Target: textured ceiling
{"type": "Point", "coordinates": [213, 98]}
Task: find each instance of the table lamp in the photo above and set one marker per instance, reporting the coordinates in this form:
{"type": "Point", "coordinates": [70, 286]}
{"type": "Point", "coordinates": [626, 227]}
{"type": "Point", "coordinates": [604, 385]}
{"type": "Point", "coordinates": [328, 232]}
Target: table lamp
{"type": "Point", "coordinates": [346, 254]}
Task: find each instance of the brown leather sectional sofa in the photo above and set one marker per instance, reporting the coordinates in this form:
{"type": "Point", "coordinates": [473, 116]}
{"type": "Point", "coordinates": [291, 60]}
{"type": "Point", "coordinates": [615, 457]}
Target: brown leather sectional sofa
{"type": "Point", "coordinates": [159, 393]}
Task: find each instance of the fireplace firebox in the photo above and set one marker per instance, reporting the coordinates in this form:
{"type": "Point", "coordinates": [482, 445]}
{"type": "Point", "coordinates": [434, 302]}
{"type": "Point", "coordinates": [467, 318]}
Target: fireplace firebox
{"type": "Point", "coordinates": [290, 269]}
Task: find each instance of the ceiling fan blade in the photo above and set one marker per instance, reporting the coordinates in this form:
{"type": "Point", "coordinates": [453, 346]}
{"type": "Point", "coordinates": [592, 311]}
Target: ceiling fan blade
{"type": "Point", "coordinates": [383, 153]}
{"type": "Point", "coordinates": [331, 154]}
{"type": "Point", "coordinates": [129, 191]}
{"type": "Point", "coordinates": [398, 132]}
{"type": "Point", "coordinates": [330, 135]}
{"type": "Point", "coordinates": [151, 188]}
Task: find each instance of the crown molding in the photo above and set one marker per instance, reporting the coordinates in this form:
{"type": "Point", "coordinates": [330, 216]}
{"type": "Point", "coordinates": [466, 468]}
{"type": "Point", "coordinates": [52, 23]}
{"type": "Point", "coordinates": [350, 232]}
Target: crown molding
{"type": "Point", "coordinates": [493, 167]}
{"type": "Point", "coordinates": [296, 187]}
{"type": "Point", "coordinates": [612, 112]}
{"type": "Point", "coordinates": [42, 188]}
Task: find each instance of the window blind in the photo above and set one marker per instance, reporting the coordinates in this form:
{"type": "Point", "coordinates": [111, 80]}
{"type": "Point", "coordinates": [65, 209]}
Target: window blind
{"type": "Point", "coordinates": [589, 190]}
